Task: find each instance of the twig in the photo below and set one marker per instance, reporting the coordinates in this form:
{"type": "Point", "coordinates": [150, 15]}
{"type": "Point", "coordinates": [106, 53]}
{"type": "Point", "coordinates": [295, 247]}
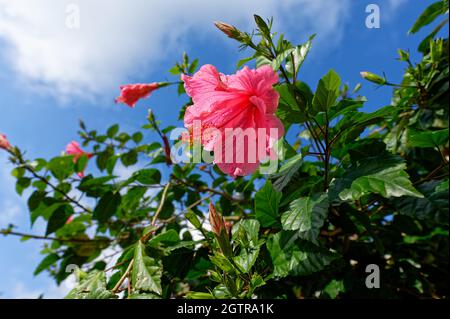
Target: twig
{"type": "Point", "coordinates": [56, 189]}
{"type": "Point", "coordinates": [73, 240]}
{"type": "Point", "coordinates": [124, 276]}
{"type": "Point", "coordinates": [161, 204]}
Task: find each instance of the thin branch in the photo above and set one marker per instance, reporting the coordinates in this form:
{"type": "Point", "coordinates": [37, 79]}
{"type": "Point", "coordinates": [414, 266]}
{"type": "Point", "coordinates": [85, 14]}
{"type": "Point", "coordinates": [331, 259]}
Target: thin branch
{"type": "Point", "coordinates": [161, 204]}
{"type": "Point", "coordinates": [124, 276]}
{"type": "Point", "coordinates": [6, 232]}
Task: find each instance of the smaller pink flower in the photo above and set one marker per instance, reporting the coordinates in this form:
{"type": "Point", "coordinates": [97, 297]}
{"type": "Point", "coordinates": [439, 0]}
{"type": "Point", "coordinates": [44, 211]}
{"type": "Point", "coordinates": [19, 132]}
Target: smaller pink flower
{"type": "Point", "coordinates": [70, 219]}
{"type": "Point", "coordinates": [4, 144]}
{"type": "Point", "coordinates": [73, 148]}
{"type": "Point", "coordinates": [131, 93]}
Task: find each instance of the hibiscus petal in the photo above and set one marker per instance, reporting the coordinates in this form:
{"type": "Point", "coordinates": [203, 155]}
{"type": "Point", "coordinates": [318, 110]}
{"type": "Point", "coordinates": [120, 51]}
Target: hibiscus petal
{"type": "Point", "coordinates": [241, 108]}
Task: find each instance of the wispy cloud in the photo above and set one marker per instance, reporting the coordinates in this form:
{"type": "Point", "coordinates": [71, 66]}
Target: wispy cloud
{"type": "Point", "coordinates": [118, 38]}
{"type": "Point", "coordinates": [9, 211]}
{"type": "Point", "coordinates": [21, 290]}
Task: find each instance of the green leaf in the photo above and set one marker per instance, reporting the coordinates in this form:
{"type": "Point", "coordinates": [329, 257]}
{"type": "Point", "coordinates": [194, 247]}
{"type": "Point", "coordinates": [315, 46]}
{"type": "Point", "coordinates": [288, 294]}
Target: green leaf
{"type": "Point", "coordinates": [193, 66]}
{"type": "Point", "coordinates": [286, 172]}
{"type": "Point", "coordinates": [42, 206]}
{"type": "Point", "coordinates": [199, 295]}
{"type": "Point", "coordinates": [428, 16]}
{"type": "Point", "coordinates": [61, 167]}
{"type": "Point", "coordinates": [147, 271]}
{"type": "Point", "coordinates": [95, 187]}
{"type": "Point", "coordinates": [384, 175]}
{"type": "Point", "coordinates": [133, 197]}
{"type": "Point", "coordinates": [22, 184]}
{"type": "Point", "coordinates": [300, 53]}
{"type": "Point", "coordinates": [245, 236]}
{"type": "Point", "coordinates": [425, 44]}
{"type": "Point", "coordinates": [244, 61]}
{"type": "Point", "coordinates": [427, 138]}
{"type": "Point", "coordinates": [137, 137]}
{"type": "Point", "coordinates": [222, 262]}
{"type": "Point", "coordinates": [307, 215]}
{"type": "Point", "coordinates": [168, 238]}
{"type": "Point", "coordinates": [276, 63]}
{"type": "Point", "coordinates": [81, 163]}
{"type": "Point", "coordinates": [49, 260]}
{"type": "Point", "coordinates": [290, 110]}
{"type": "Point", "coordinates": [103, 158]}
{"type": "Point", "coordinates": [334, 288]}
{"type": "Point", "coordinates": [434, 206]}
{"type": "Point", "coordinates": [58, 218]}
{"type": "Point", "coordinates": [327, 92]}
{"type": "Point", "coordinates": [92, 286]}
{"type": "Point", "coordinates": [107, 206]}
{"type": "Point", "coordinates": [293, 256]}
{"type": "Point", "coordinates": [129, 158]}
{"type": "Point", "coordinates": [262, 60]}
{"type": "Point", "coordinates": [193, 219]}
{"type": "Point", "coordinates": [262, 26]}
{"type": "Point", "coordinates": [267, 200]}
{"type": "Point", "coordinates": [354, 123]}
{"type": "Point", "coordinates": [112, 131]}
{"type": "Point", "coordinates": [148, 176]}
{"type": "Point", "coordinates": [143, 296]}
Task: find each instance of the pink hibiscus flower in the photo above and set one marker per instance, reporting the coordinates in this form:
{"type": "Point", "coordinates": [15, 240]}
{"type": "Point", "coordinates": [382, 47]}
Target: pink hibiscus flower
{"type": "Point", "coordinates": [73, 148]}
{"type": "Point", "coordinates": [130, 94]}
{"type": "Point", "coordinates": [4, 144]}
{"type": "Point", "coordinates": [70, 219]}
{"type": "Point", "coordinates": [234, 116]}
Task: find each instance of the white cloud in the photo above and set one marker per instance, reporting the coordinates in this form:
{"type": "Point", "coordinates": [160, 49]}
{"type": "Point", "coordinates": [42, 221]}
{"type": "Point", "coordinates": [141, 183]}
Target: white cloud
{"type": "Point", "coordinates": [9, 211]}
{"type": "Point", "coordinates": [395, 4]}
{"type": "Point", "coordinates": [21, 290]}
{"type": "Point", "coordinates": [119, 38]}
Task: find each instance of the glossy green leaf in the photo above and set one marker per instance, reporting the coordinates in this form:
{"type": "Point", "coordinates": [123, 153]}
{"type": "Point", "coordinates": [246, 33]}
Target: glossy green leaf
{"type": "Point", "coordinates": [148, 176]}
{"type": "Point", "coordinates": [427, 138]}
{"type": "Point", "coordinates": [48, 261]}
{"type": "Point", "coordinates": [267, 200]}
{"type": "Point", "coordinates": [245, 236]}
{"type": "Point", "coordinates": [92, 286]}
{"type": "Point", "coordinates": [307, 215]}
{"type": "Point", "coordinates": [107, 206]}
{"type": "Point", "coordinates": [428, 16]}
{"type": "Point", "coordinates": [384, 175]}
{"type": "Point", "coordinates": [299, 55]}
{"type": "Point", "coordinates": [293, 256]}
{"type": "Point", "coordinates": [327, 92]}
{"type": "Point", "coordinates": [286, 172]}
{"type": "Point", "coordinates": [58, 218]}
{"type": "Point", "coordinates": [147, 271]}
{"type": "Point", "coordinates": [61, 167]}
{"type": "Point", "coordinates": [434, 206]}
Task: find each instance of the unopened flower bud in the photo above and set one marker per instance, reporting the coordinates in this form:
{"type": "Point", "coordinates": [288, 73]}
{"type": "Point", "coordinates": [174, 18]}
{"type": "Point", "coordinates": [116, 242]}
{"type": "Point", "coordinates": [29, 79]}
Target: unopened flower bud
{"type": "Point", "coordinates": [220, 230]}
{"type": "Point", "coordinates": [167, 150]}
{"type": "Point", "coordinates": [403, 55]}
{"type": "Point", "coordinates": [226, 28]}
{"type": "Point", "coordinates": [233, 32]}
{"type": "Point", "coordinates": [216, 220]}
{"type": "Point", "coordinates": [373, 78]}
{"type": "Point", "coordinates": [150, 116]}
{"type": "Point", "coordinates": [4, 144]}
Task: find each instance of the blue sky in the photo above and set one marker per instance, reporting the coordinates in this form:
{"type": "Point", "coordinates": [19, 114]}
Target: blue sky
{"type": "Point", "coordinates": [52, 75]}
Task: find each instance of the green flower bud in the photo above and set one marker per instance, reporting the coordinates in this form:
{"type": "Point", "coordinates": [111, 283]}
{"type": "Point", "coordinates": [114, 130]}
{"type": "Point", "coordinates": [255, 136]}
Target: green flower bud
{"type": "Point", "coordinates": [373, 78]}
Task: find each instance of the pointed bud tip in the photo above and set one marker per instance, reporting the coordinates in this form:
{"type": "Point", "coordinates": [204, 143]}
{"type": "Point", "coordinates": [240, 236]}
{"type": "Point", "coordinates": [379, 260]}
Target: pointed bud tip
{"type": "Point", "coordinates": [373, 77]}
